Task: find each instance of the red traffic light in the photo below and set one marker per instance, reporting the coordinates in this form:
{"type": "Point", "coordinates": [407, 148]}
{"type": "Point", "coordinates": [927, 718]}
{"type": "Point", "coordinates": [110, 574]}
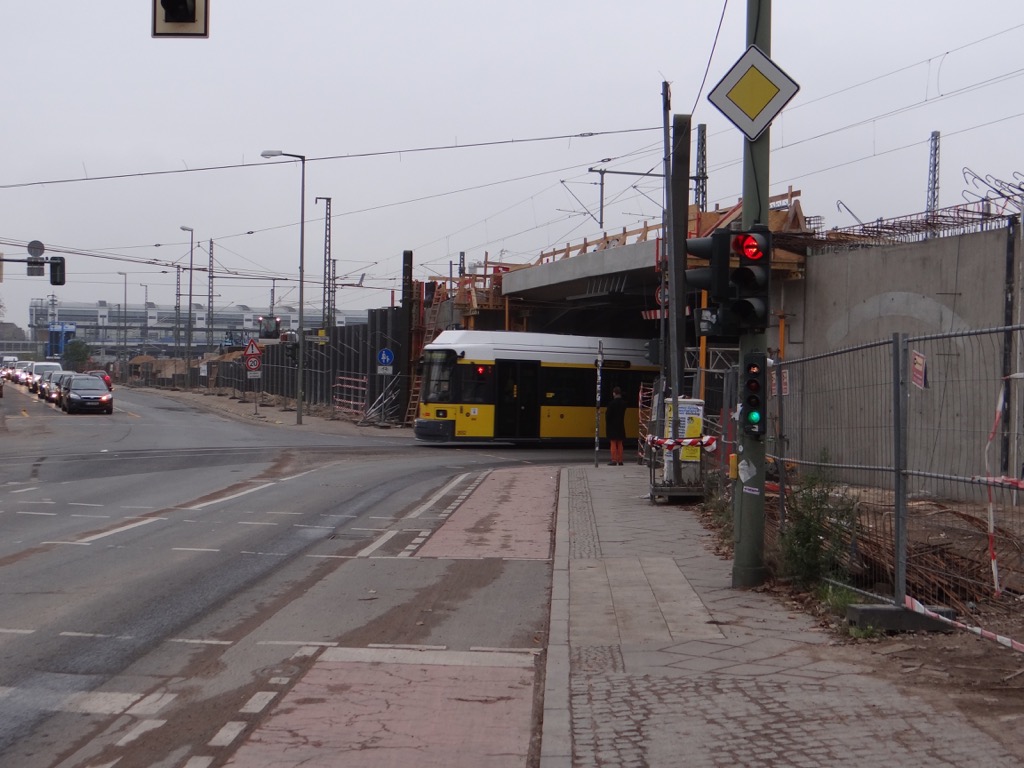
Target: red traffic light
{"type": "Point", "coordinates": [749, 246]}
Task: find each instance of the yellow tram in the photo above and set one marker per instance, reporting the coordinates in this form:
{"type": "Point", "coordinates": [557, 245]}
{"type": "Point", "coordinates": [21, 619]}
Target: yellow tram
{"type": "Point", "coordinates": [506, 386]}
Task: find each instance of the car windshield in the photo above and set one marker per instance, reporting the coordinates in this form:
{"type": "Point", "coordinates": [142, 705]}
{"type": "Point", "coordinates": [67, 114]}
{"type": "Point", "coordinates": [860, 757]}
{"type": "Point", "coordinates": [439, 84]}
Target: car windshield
{"type": "Point", "coordinates": [88, 382]}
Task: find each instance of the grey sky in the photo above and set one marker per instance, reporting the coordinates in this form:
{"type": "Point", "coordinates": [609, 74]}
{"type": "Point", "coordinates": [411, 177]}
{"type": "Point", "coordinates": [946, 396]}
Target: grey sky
{"type": "Point", "coordinates": [88, 94]}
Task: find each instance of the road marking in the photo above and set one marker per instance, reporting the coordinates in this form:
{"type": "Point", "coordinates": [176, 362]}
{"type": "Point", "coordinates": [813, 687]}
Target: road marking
{"type": "Point", "coordinates": [321, 527]}
{"type": "Point", "coordinates": [232, 497]}
{"type": "Point", "coordinates": [253, 522]}
{"type": "Point", "coordinates": [440, 658]}
{"type": "Point", "coordinates": [47, 514]}
{"type": "Point", "coordinates": [90, 703]}
{"type": "Point", "coordinates": [284, 513]}
{"type": "Point", "coordinates": [82, 504]}
{"type": "Point", "coordinates": [122, 529]}
{"type": "Point", "coordinates": [197, 641]}
{"type": "Point", "coordinates": [95, 517]}
{"type": "Point", "coordinates": [193, 549]}
{"type": "Point", "coordinates": [409, 647]}
{"type": "Point", "coordinates": [143, 727]}
{"type": "Point", "coordinates": [279, 680]}
{"type": "Point", "coordinates": [152, 704]}
{"type": "Point", "coordinates": [377, 544]}
{"type": "Point", "coordinates": [227, 734]}
{"type": "Point", "coordinates": [198, 762]}
{"type": "Point", "coordinates": [76, 543]}
{"type": "Point", "coordinates": [433, 499]}
{"type": "Point", "coordinates": [25, 490]}
{"type": "Point", "coordinates": [16, 631]}
{"type": "Point", "coordinates": [332, 557]}
{"type": "Point", "coordinates": [258, 702]}
{"type": "Point", "coordinates": [326, 644]}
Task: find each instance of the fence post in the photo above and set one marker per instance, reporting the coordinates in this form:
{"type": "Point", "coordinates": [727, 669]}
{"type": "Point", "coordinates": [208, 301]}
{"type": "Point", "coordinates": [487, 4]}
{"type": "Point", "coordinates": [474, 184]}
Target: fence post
{"type": "Point", "coordinates": [780, 447]}
{"type": "Point", "coordinates": [900, 422]}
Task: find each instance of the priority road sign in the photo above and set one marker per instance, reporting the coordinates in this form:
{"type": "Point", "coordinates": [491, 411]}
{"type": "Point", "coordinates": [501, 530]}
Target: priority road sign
{"type": "Point", "coordinates": [753, 92]}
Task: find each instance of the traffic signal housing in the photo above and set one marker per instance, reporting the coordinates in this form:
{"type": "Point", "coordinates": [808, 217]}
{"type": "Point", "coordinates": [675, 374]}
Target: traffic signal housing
{"type": "Point", "coordinates": [56, 270]}
{"type": "Point", "coordinates": [751, 279]}
{"type": "Point", "coordinates": [753, 394]}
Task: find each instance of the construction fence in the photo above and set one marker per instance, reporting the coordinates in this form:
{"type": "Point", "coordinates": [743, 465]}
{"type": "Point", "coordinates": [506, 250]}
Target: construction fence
{"type": "Point", "coordinates": [909, 451]}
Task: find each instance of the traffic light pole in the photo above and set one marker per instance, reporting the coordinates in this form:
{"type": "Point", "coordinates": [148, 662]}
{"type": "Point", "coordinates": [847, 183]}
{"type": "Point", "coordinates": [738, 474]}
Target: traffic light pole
{"type": "Point", "coordinates": [748, 492]}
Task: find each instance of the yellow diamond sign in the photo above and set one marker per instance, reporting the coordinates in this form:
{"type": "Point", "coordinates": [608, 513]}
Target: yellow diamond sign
{"type": "Point", "coordinates": [753, 92]}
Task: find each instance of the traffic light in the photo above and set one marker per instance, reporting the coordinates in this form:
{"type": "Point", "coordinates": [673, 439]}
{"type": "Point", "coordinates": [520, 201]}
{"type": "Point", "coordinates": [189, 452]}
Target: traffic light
{"type": "Point", "coordinates": [179, 11]}
{"type": "Point", "coordinates": [715, 277]}
{"type": "Point", "coordinates": [56, 270]}
{"type": "Point", "coordinates": [752, 278]}
{"type": "Point", "coordinates": [754, 390]}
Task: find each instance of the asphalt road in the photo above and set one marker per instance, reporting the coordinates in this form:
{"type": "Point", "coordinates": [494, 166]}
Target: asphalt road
{"type": "Point", "coordinates": [161, 564]}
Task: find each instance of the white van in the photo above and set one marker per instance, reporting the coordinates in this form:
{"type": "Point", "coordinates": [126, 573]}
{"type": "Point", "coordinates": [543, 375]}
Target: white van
{"type": "Point", "coordinates": [36, 371]}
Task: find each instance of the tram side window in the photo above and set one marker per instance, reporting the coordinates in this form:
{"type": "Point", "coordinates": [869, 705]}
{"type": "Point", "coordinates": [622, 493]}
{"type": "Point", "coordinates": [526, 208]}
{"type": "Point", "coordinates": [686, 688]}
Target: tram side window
{"type": "Point", "coordinates": [475, 383]}
{"type": "Point", "coordinates": [568, 386]}
{"type": "Point", "coordinates": [437, 373]}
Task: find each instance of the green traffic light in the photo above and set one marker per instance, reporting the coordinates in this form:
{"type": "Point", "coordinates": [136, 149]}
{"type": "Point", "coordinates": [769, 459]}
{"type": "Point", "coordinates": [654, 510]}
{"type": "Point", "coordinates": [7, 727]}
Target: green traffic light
{"type": "Point", "coordinates": [754, 417]}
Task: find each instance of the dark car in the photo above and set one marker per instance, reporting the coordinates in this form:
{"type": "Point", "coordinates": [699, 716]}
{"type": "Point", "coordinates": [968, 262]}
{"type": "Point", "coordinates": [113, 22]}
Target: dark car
{"type": "Point", "coordinates": [54, 388]}
{"type": "Point", "coordinates": [102, 375]}
{"type": "Point", "coordinates": [86, 393]}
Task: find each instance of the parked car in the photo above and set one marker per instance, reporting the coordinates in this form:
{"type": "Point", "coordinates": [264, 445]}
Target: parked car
{"type": "Point", "coordinates": [103, 375]}
{"type": "Point", "coordinates": [43, 387]}
{"type": "Point", "coordinates": [36, 371]}
{"type": "Point", "coordinates": [85, 393]}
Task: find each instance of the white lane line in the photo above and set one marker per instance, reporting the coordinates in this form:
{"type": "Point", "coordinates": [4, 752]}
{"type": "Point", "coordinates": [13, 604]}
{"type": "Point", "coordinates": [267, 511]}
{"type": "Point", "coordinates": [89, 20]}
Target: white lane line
{"type": "Point", "coordinates": [41, 501]}
{"type": "Point", "coordinates": [193, 549]}
{"type": "Point", "coordinates": [279, 680]}
{"type": "Point", "coordinates": [271, 554]}
{"type": "Point", "coordinates": [47, 514]}
{"type": "Point", "coordinates": [284, 513]}
{"type": "Point", "coordinates": [326, 644]}
{"type": "Point", "coordinates": [148, 507]}
{"type": "Point", "coordinates": [122, 529]}
{"type": "Point", "coordinates": [198, 762]}
{"type": "Point", "coordinates": [109, 703]}
{"type": "Point", "coordinates": [82, 504]}
{"type": "Point", "coordinates": [332, 557]}
{"type": "Point", "coordinates": [25, 490]}
{"type": "Point", "coordinates": [76, 543]}
{"type": "Point", "coordinates": [321, 527]}
{"type": "Point", "coordinates": [143, 727]}
{"type": "Point", "coordinates": [152, 704]}
{"type": "Point", "coordinates": [16, 631]}
{"type": "Point", "coordinates": [94, 517]}
{"type": "Point", "coordinates": [258, 702]}
{"type": "Point", "coordinates": [238, 495]}
{"type": "Point", "coordinates": [377, 544]}
{"type": "Point", "coordinates": [433, 499]}
{"type": "Point", "coordinates": [227, 734]}
{"type": "Point", "coordinates": [409, 647]}
{"type": "Point", "coordinates": [198, 641]}
{"type": "Point", "coordinates": [371, 530]}
{"type": "Point", "coordinates": [253, 522]}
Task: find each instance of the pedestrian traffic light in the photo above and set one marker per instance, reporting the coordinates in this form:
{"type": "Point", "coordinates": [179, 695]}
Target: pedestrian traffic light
{"type": "Point", "coordinates": [752, 278]}
{"type": "Point", "coordinates": [56, 270]}
{"type": "Point", "coordinates": [754, 389]}
{"type": "Point", "coordinates": [179, 11]}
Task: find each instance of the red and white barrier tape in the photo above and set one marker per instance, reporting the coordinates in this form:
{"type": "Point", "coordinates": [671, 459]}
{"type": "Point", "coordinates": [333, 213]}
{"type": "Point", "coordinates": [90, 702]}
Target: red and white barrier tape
{"type": "Point", "coordinates": [708, 442]}
{"type": "Point", "coordinates": [917, 607]}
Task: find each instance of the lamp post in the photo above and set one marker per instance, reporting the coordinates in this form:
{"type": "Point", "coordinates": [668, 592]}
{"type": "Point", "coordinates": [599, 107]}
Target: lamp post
{"type": "Point", "coordinates": [124, 325]}
{"type": "Point", "coordinates": [188, 328]}
{"type": "Point", "coordinates": [300, 360]}
{"type": "Point", "coordinates": [145, 315]}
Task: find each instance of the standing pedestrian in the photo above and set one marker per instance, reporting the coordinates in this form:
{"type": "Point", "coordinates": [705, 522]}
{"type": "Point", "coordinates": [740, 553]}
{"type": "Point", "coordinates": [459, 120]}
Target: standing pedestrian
{"type": "Point", "coordinates": [615, 426]}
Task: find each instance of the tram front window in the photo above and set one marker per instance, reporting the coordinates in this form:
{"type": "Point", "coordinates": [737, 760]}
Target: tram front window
{"type": "Point", "coordinates": [437, 376]}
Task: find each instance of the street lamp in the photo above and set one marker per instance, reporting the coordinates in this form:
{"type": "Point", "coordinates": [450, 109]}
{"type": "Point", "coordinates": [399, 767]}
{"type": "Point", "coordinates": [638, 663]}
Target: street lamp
{"type": "Point", "coordinates": [302, 268]}
{"type": "Point", "coordinates": [145, 315]}
{"type": "Point", "coordinates": [188, 328]}
{"type": "Point", "coordinates": [124, 324]}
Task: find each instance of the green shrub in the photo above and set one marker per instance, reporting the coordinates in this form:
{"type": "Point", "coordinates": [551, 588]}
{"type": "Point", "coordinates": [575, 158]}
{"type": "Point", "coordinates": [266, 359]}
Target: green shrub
{"type": "Point", "coordinates": [819, 521]}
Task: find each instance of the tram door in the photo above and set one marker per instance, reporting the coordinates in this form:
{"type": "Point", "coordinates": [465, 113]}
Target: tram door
{"type": "Point", "coordinates": [518, 402]}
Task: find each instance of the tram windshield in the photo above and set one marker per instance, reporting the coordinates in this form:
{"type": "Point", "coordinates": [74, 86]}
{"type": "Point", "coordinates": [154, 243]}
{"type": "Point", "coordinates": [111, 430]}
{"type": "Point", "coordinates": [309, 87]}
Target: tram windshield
{"type": "Point", "coordinates": [438, 365]}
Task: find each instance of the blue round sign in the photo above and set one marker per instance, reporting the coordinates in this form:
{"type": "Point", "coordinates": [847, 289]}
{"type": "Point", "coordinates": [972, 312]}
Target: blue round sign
{"type": "Point", "coordinates": [385, 356]}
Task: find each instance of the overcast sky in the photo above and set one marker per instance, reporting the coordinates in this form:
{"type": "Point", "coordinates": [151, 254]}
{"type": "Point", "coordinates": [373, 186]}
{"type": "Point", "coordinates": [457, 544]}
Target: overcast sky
{"type": "Point", "coordinates": [456, 126]}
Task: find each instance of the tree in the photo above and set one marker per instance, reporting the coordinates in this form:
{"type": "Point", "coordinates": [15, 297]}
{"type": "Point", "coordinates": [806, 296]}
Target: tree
{"type": "Point", "coordinates": [76, 355]}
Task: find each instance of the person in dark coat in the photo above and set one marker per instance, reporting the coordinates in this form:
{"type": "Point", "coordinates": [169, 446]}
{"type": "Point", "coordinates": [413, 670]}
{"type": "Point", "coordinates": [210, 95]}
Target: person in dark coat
{"type": "Point", "coordinates": [615, 426]}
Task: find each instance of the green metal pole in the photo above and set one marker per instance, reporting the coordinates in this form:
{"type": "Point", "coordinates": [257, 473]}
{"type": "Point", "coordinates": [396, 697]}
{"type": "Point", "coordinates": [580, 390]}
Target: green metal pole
{"type": "Point", "coordinates": [748, 568]}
